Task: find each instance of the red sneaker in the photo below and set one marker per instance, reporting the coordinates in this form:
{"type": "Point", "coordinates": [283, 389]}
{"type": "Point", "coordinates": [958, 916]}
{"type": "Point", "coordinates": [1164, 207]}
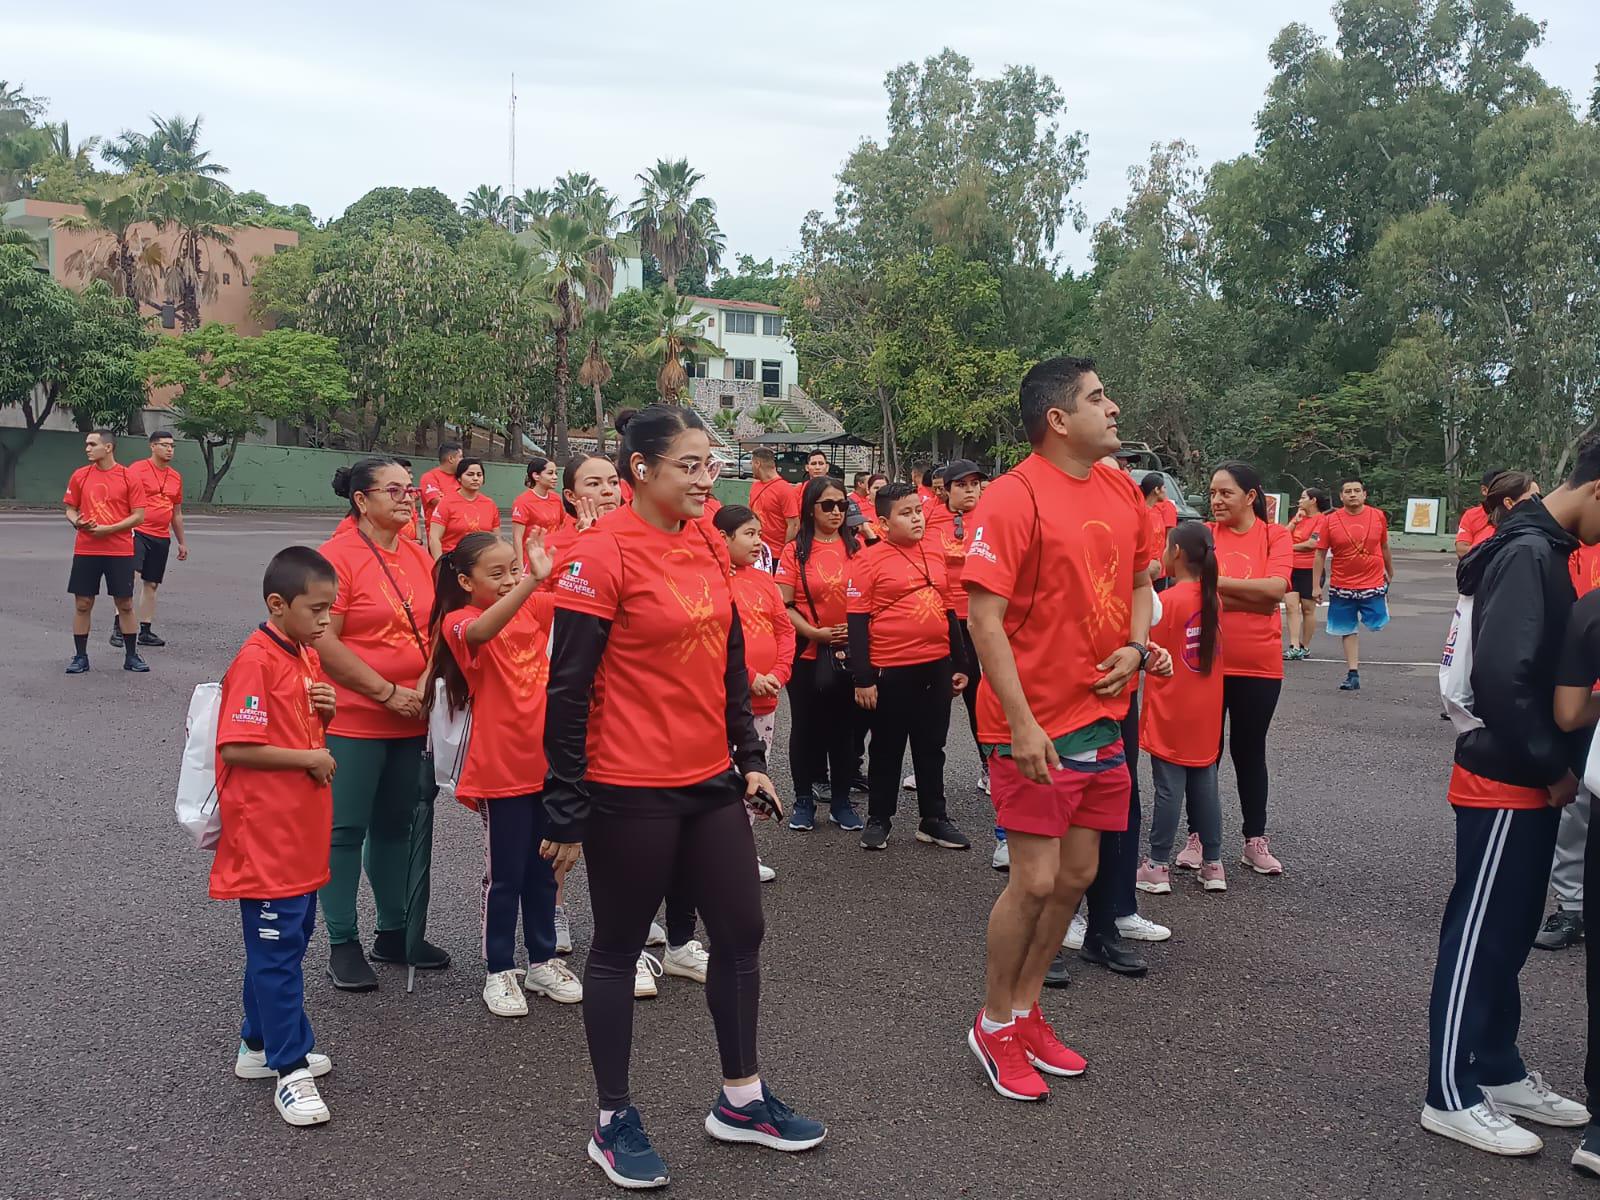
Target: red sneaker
{"type": "Point", "coordinates": [1005, 1062]}
{"type": "Point", "coordinates": [1044, 1049]}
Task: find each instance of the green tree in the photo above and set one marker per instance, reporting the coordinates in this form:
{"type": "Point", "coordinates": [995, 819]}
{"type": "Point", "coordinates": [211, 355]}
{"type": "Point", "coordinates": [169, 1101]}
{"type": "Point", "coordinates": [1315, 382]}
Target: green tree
{"type": "Point", "coordinates": [125, 255]}
{"type": "Point", "coordinates": [674, 337]}
{"type": "Point", "coordinates": [760, 282]}
{"type": "Point", "coordinates": [564, 246]}
{"type": "Point", "coordinates": [172, 147]}
{"type": "Point", "coordinates": [280, 287]}
{"type": "Point", "coordinates": [24, 144]}
{"type": "Point", "coordinates": [598, 335]}
{"type": "Point", "coordinates": [381, 209]}
{"type": "Point", "coordinates": [229, 385]}
{"type": "Point", "coordinates": [485, 203]}
{"type": "Point", "coordinates": [767, 417]}
{"type": "Point", "coordinates": [676, 227]}
{"type": "Point", "coordinates": [253, 208]}
{"type": "Point", "coordinates": [197, 212]}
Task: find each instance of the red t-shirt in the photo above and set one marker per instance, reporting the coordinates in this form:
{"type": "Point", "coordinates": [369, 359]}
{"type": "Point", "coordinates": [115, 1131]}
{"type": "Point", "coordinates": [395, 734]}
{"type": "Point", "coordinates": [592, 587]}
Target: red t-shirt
{"type": "Point", "coordinates": [943, 534]}
{"type": "Point", "coordinates": [768, 634]}
{"type": "Point", "coordinates": [530, 510]}
{"type": "Point", "coordinates": [1474, 527]}
{"type": "Point", "coordinates": [436, 485]}
{"type": "Point", "coordinates": [276, 825]}
{"type": "Point", "coordinates": [1584, 566]}
{"type": "Point", "coordinates": [376, 628]}
{"type": "Point", "coordinates": [827, 573]}
{"type": "Point", "coordinates": [163, 489]}
{"type": "Point", "coordinates": [1169, 515]}
{"type": "Point", "coordinates": [1302, 529]}
{"type": "Point", "coordinates": [1158, 539]}
{"type": "Point", "coordinates": [1254, 640]}
{"type": "Point", "coordinates": [906, 592]}
{"type": "Point", "coordinates": [458, 516]}
{"type": "Point", "coordinates": [1064, 557]}
{"type": "Point", "coordinates": [1356, 543]}
{"type": "Point", "coordinates": [1182, 718]}
{"type": "Point", "coordinates": [506, 678]}
{"type": "Point", "coordinates": [774, 501]}
{"type": "Point", "coordinates": [104, 497]}
{"type": "Point", "coordinates": [659, 713]}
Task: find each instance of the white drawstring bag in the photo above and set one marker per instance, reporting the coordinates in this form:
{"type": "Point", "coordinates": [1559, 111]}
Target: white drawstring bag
{"type": "Point", "coordinates": [448, 734]}
{"type": "Point", "coordinates": [196, 805]}
{"type": "Point", "coordinates": [1455, 669]}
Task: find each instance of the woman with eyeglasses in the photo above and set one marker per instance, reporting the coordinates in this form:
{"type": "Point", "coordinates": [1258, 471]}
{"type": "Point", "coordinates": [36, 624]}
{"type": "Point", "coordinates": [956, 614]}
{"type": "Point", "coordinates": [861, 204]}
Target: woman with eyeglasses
{"type": "Point", "coordinates": [812, 575]}
{"type": "Point", "coordinates": [374, 654]}
{"type": "Point", "coordinates": [468, 511]}
{"type": "Point", "coordinates": [648, 692]}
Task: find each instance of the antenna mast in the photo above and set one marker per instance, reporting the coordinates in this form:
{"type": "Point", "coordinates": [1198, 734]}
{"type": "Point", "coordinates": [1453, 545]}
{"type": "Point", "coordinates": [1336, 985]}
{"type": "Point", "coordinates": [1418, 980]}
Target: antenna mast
{"type": "Point", "coordinates": [512, 205]}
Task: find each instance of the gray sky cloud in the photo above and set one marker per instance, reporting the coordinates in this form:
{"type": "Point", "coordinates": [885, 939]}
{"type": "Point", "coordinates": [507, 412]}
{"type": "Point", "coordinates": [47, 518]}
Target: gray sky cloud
{"type": "Point", "coordinates": [325, 101]}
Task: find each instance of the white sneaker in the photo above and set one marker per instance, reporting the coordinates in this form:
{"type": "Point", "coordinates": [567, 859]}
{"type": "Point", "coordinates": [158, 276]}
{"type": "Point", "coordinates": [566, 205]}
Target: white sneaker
{"type": "Point", "coordinates": [1483, 1127]}
{"type": "Point", "coordinates": [298, 1101]}
{"type": "Point", "coordinates": [983, 779]}
{"type": "Point", "coordinates": [1141, 930]}
{"type": "Point", "coordinates": [252, 1064]}
{"type": "Point", "coordinates": [1076, 932]}
{"type": "Point", "coordinates": [909, 783]}
{"type": "Point", "coordinates": [765, 873]}
{"type": "Point", "coordinates": [1002, 856]}
{"type": "Point", "coordinates": [657, 935]}
{"type": "Point", "coordinates": [1532, 1100]}
{"type": "Point", "coordinates": [502, 995]}
{"type": "Point", "coordinates": [563, 930]}
{"type": "Point", "coordinates": [645, 974]}
{"type": "Point", "coordinates": [554, 980]}
{"type": "Point", "coordinates": [688, 961]}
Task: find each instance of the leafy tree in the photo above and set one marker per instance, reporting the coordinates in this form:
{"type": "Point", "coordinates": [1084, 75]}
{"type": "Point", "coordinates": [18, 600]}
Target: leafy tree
{"type": "Point", "coordinates": [760, 282]}
{"type": "Point", "coordinates": [675, 336]}
{"type": "Point", "coordinates": [676, 227]}
{"type": "Point", "coordinates": [382, 208]}
{"type": "Point", "coordinates": [196, 211]}
{"type": "Point", "coordinates": [485, 203]}
{"type": "Point", "coordinates": [253, 208]}
{"type": "Point", "coordinates": [281, 286]}
{"type": "Point", "coordinates": [228, 385]}
{"type": "Point", "coordinates": [126, 255]}
{"type": "Point", "coordinates": [768, 418]}
{"type": "Point", "coordinates": [24, 145]}
{"type": "Point", "coordinates": [172, 147]}
{"type": "Point", "coordinates": [564, 245]}
{"type": "Point", "coordinates": [598, 336]}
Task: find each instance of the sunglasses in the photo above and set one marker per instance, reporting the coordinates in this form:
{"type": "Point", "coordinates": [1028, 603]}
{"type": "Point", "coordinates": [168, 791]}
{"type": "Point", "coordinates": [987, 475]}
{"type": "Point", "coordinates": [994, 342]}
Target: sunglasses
{"type": "Point", "coordinates": [833, 506]}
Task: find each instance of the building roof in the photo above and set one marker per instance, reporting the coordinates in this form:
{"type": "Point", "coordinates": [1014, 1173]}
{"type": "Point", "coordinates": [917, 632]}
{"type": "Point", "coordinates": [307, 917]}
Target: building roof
{"type": "Point", "coordinates": [740, 305]}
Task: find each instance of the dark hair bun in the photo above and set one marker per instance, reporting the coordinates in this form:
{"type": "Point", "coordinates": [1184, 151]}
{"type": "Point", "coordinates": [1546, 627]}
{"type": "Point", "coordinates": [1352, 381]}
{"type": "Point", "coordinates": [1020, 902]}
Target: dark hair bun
{"type": "Point", "coordinates": [621, 421]}
{"type": "Point", "coordinates": [341, 482]}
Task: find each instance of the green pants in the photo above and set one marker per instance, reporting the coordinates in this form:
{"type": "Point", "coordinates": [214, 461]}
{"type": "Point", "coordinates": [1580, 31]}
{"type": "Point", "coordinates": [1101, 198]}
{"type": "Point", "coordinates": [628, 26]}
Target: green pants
{"type": "Point", "coordinates": [374, 791]}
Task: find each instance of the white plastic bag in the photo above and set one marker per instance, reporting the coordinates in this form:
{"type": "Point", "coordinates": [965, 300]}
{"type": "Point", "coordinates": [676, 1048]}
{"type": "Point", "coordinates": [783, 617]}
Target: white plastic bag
{"type": "Point", "coordinates": [1591, 768]}
{"type": "Point", "coordinates": [1455, 669]}
{"type": "Point", "coordinates": [196, 805]}
{"type": "Point", "coordinates": [448, 733]}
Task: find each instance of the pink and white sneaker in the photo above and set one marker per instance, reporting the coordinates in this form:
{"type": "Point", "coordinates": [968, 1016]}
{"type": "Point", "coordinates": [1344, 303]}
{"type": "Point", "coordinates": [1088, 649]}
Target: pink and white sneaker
{"type": "Point", "coordinates": [1190, 857]}
{"type": "Point", "coordinates": [1259, 859]}
{"type": "Point", "coordinates": [1153, 878]}
{"type": "Point", "coordinates": [1213, 878]}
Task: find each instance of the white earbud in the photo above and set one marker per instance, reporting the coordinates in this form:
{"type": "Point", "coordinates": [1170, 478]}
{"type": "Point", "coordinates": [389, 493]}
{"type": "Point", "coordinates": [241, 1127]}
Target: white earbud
{"type": "Point", "coordinates": [639, 470]}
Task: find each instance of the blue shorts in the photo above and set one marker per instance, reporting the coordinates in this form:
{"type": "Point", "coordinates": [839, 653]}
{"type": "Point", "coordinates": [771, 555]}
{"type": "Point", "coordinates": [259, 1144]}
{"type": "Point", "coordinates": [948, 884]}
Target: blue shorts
{"type": "Point", "coordinates": [1345, 610]}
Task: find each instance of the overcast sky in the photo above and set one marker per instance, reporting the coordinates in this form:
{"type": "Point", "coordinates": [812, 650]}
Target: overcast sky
{"type": "Point", "coordinates": [317, 103]}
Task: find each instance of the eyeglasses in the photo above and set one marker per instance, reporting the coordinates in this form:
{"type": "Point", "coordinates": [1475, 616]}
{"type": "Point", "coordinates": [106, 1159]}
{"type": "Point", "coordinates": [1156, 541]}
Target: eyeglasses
{"type": "Point", "coordinates": [396, 492]}
{"type": "Point", "coordinates": [711, 468]}
{"type": "Point", "coordinates": [834, 506]}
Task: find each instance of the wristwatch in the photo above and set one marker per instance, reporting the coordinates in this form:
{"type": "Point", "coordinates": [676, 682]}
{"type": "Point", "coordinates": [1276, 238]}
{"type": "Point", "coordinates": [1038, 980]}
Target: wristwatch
{"type": "Point", "coordinates": [1144, 653]}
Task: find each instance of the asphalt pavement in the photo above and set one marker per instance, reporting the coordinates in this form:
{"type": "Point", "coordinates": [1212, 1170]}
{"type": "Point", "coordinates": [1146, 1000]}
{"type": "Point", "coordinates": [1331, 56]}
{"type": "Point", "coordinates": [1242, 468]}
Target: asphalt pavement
{"type": "Point", "coordinates": [1277, 1048]}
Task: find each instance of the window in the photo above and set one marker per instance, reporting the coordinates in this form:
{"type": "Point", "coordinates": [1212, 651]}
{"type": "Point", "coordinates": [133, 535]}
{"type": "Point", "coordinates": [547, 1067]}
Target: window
{"type": "Point", "coordinates": [698, 368]}
{"type": "Point", "coordinates": [279, 247]}
{"type": "Point", "coordinates": [744, 368]}
{"type": "Point", "coordinates": [725, 400]}
{"type": "Point", "coordinates": [771, 326]}
{"type": "Point", "coordinates": [739, 322]}
{"type": "Point", "coordinates": [771, 379]}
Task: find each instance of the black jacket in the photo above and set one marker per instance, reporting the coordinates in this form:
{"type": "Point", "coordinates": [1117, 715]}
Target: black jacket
{"type": "Point", "coordinates": [1523, 597]}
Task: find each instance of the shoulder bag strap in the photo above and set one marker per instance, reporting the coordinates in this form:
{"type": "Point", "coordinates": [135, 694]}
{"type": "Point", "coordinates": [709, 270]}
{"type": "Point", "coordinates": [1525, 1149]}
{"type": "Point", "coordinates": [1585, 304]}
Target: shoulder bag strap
{"type": "Point", "coordinates": [405, 601]}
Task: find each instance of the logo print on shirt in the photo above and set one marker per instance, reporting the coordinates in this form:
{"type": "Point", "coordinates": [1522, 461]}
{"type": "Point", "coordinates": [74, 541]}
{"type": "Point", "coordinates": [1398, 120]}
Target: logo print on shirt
{"type": "Point", "coordinates": [1108, 613]}
{"type": "Point", "coordinates": [980, 548]}
{"type": "Point", "coordinates": [703, 631]}
{"type": "Point", "coordinates": [1237, 565]}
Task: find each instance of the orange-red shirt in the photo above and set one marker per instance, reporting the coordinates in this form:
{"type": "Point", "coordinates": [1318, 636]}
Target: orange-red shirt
{"type": "Point", "coordinates": [1468, 790]}
{"type": "Point", "coordinates": [276, 825]}
{"type": "Point", "coordinates": [105, 497]}
{"type": "Point", "coordinates": [1158, 539]}
{"type": "Point", "coordinates": [506, 678]}
{"type": "Point", "coordinates": [376, 628]}
{"type": "Point", "coordinates": [436, 484]}
{"type": "Point", "coordinates": [1302, 529]}
{"type": "Point", "coordinates": [1182, 718]}
{"type": "Point", "coordinates": [1356, 544]}
{"type": "Point", "coordinates": [1254, 640]}
{"type": "Point", "coordinates": [952, 533]}
{"type": "Point", "coordinates": [1474, 527]}
{"type": "Point", "coordinates": [774, 501]}
{"type": "Point", "coordinates": [1584, 566]}
{"type": "Point", "coordinates": [1169, 515]}
{"type": "Point", "coordinates": [531, 509]}
{"type": "Point", "coordinates": [458, 516]}
{"type": "Point", "coordinates": [659, 713]}
{"type": "Point", "coordinates": [827, 573]}
{"type": "Point", "coordinates": [768, 634]}
{"type": "Point", "coordinates": [906, 592]}
{"type": "Point", "coordinates": [1064, 558]}
{"type": "Point", "coordinates": [163, 488]}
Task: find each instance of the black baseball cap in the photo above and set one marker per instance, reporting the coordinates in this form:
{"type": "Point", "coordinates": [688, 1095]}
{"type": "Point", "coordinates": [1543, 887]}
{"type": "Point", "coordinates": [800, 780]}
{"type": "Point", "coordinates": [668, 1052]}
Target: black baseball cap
{"type": "Point", "coordinates": [961, 468]}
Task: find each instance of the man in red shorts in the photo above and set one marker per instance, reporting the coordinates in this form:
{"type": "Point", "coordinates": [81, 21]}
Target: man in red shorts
{"type": "Point", "coordinates": [1058, 578]}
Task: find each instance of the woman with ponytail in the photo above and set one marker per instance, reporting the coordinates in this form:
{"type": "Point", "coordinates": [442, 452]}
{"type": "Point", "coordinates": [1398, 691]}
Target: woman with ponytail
{"type": "Point", "coordinates": [374, 654]}
{"type": "Point", "coordinates": [539, 506]}
{"type": "Point", "coordinates": [1182, 722]}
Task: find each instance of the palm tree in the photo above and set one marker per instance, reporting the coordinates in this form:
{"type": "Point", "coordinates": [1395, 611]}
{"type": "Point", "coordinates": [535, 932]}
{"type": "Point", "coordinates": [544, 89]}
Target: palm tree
{"type": "Point", "coordinates": [62, 147]}
{"type": "Point", "coordinates": [672, 223]}
{"type": "Point", "coordinates": [726, 421]}
{"type": "Point", "coordinates": [564, 245]}
{"type": "Point", "coordinates": [485, 203]}
{"type": "Point", "coordinates": [124, 256]}
{"type": "Point", "coordinates": [172, 147]}
{"type": "Point", "coordinates": [598, 332]}
{"type": "Point", "coordinates": [198, 209]}
{"type": "Point", "coordinates": [769, 416]}
{"type": "Point", "coordinates": [677, 337]}
{"type": "Point", "coordinates": [533, 205]}
{"type": "Point", "coordinates": [574, 192]}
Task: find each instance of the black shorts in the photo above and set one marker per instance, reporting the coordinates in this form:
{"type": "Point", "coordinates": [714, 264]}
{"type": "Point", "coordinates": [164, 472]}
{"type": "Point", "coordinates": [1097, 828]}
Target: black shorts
{"type": "Point", "coordinates": [1300, 582]}
{"type": "Point", "coordinates": [89, 569]}
{"type": "Point", "coordinates": [150, 556]}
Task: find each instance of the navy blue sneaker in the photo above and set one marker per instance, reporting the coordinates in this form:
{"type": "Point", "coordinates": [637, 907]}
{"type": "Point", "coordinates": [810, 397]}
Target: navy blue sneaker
{"type": "Point", "coordinates": [804, 816]}
{"type": "Point", "coordinates": [1352, 682]}
{"type": "Point", "coordinates": [134, 663]}
{"type": "Point", "coordinates": [623, 1151]}
{"type": "Point", "coordinates": [765, 1122]}
{"type": "Point", "coordinates": [78, 665]}
{"type": "Point", "coordinates": [843, 814]}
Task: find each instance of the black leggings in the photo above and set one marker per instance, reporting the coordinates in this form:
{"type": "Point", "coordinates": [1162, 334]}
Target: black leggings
{"type": "Point", "coordinates": [632, 863]}
{"type": "Point", "coordinates": [969, 694]}
{"type": "Point", "coordinates": [822, 729]}
{"type": "Point", "coordinates": [1248, 704]}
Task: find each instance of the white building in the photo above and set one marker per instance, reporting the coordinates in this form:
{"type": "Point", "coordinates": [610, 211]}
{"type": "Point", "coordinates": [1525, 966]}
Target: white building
{"type": "Point", "coordinates": [755, 349]}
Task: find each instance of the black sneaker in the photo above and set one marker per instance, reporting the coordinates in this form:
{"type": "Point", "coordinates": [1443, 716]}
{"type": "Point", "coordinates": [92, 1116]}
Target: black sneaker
{"type": "Point", "coordinates": [147, 638]}
{"type": "Point", "coordinates": [78, 665]}
{"type": "Point", "coordinates": [390, 947]}
{"type": "Point", "coordinates": [1056, 976]}
{"type": "Point", "coordinates": [1352, 682]}
{"type": "Point", "coordinates": [116, 638]}
{"type": "Point", "coordinates": [860, 784]}
{"type": "Point", "coordinates": [877, 835]}
{"type": "Point", "coordinates": [134, 663]}
{"type": "Point", "coordinates": [1562, 930]}
{"type": "Point", "coordinates": [1586, 1158]}
{"type": "Point", "coordinates": [349, 968]}
{"type": "Point", "coordinates": [1111, 952]}
{"type": "Point", "coordinates": [941, 831]}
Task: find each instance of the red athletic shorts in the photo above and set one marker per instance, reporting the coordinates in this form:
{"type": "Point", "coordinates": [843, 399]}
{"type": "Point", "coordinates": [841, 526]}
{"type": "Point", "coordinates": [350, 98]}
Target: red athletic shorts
{"type": "Point", "coordinates": [1091, 795]}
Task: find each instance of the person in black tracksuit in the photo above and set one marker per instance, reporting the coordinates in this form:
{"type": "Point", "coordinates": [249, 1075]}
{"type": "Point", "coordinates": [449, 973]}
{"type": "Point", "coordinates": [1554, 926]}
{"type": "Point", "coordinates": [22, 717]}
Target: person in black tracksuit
{"type": "Point", "coordinates": [1509, 781]}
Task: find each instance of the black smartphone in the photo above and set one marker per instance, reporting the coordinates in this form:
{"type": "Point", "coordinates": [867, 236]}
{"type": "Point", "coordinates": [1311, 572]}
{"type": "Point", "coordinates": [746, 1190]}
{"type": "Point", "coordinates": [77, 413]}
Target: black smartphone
{"type": "Point", "coordinates": [766, 801]}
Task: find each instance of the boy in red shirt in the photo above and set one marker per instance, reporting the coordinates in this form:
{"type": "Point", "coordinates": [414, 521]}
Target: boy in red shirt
{"type": "Point", "coordinates": [1357, 536]}
{"type": "Point", "coordinates": [276, 802]}
{"type": "Point", "coordinates": [1058, 578]}
{"type": "Point", "coordinates": [104, 504]}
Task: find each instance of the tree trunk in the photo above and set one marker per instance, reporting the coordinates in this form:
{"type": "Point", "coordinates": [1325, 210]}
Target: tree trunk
{"type": "Point", "coordinates": [891, 452]}
{"type": "Point", "coordinates": [130, 285]}
{"type": "Point", "coordinates": [514, 425]}
{"type": "Point", "coordinates": [10, 457]}
{"type": "Point", "coordinates": [563, 381]}
{"type": "Point", "coordinates": [599, 422]}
